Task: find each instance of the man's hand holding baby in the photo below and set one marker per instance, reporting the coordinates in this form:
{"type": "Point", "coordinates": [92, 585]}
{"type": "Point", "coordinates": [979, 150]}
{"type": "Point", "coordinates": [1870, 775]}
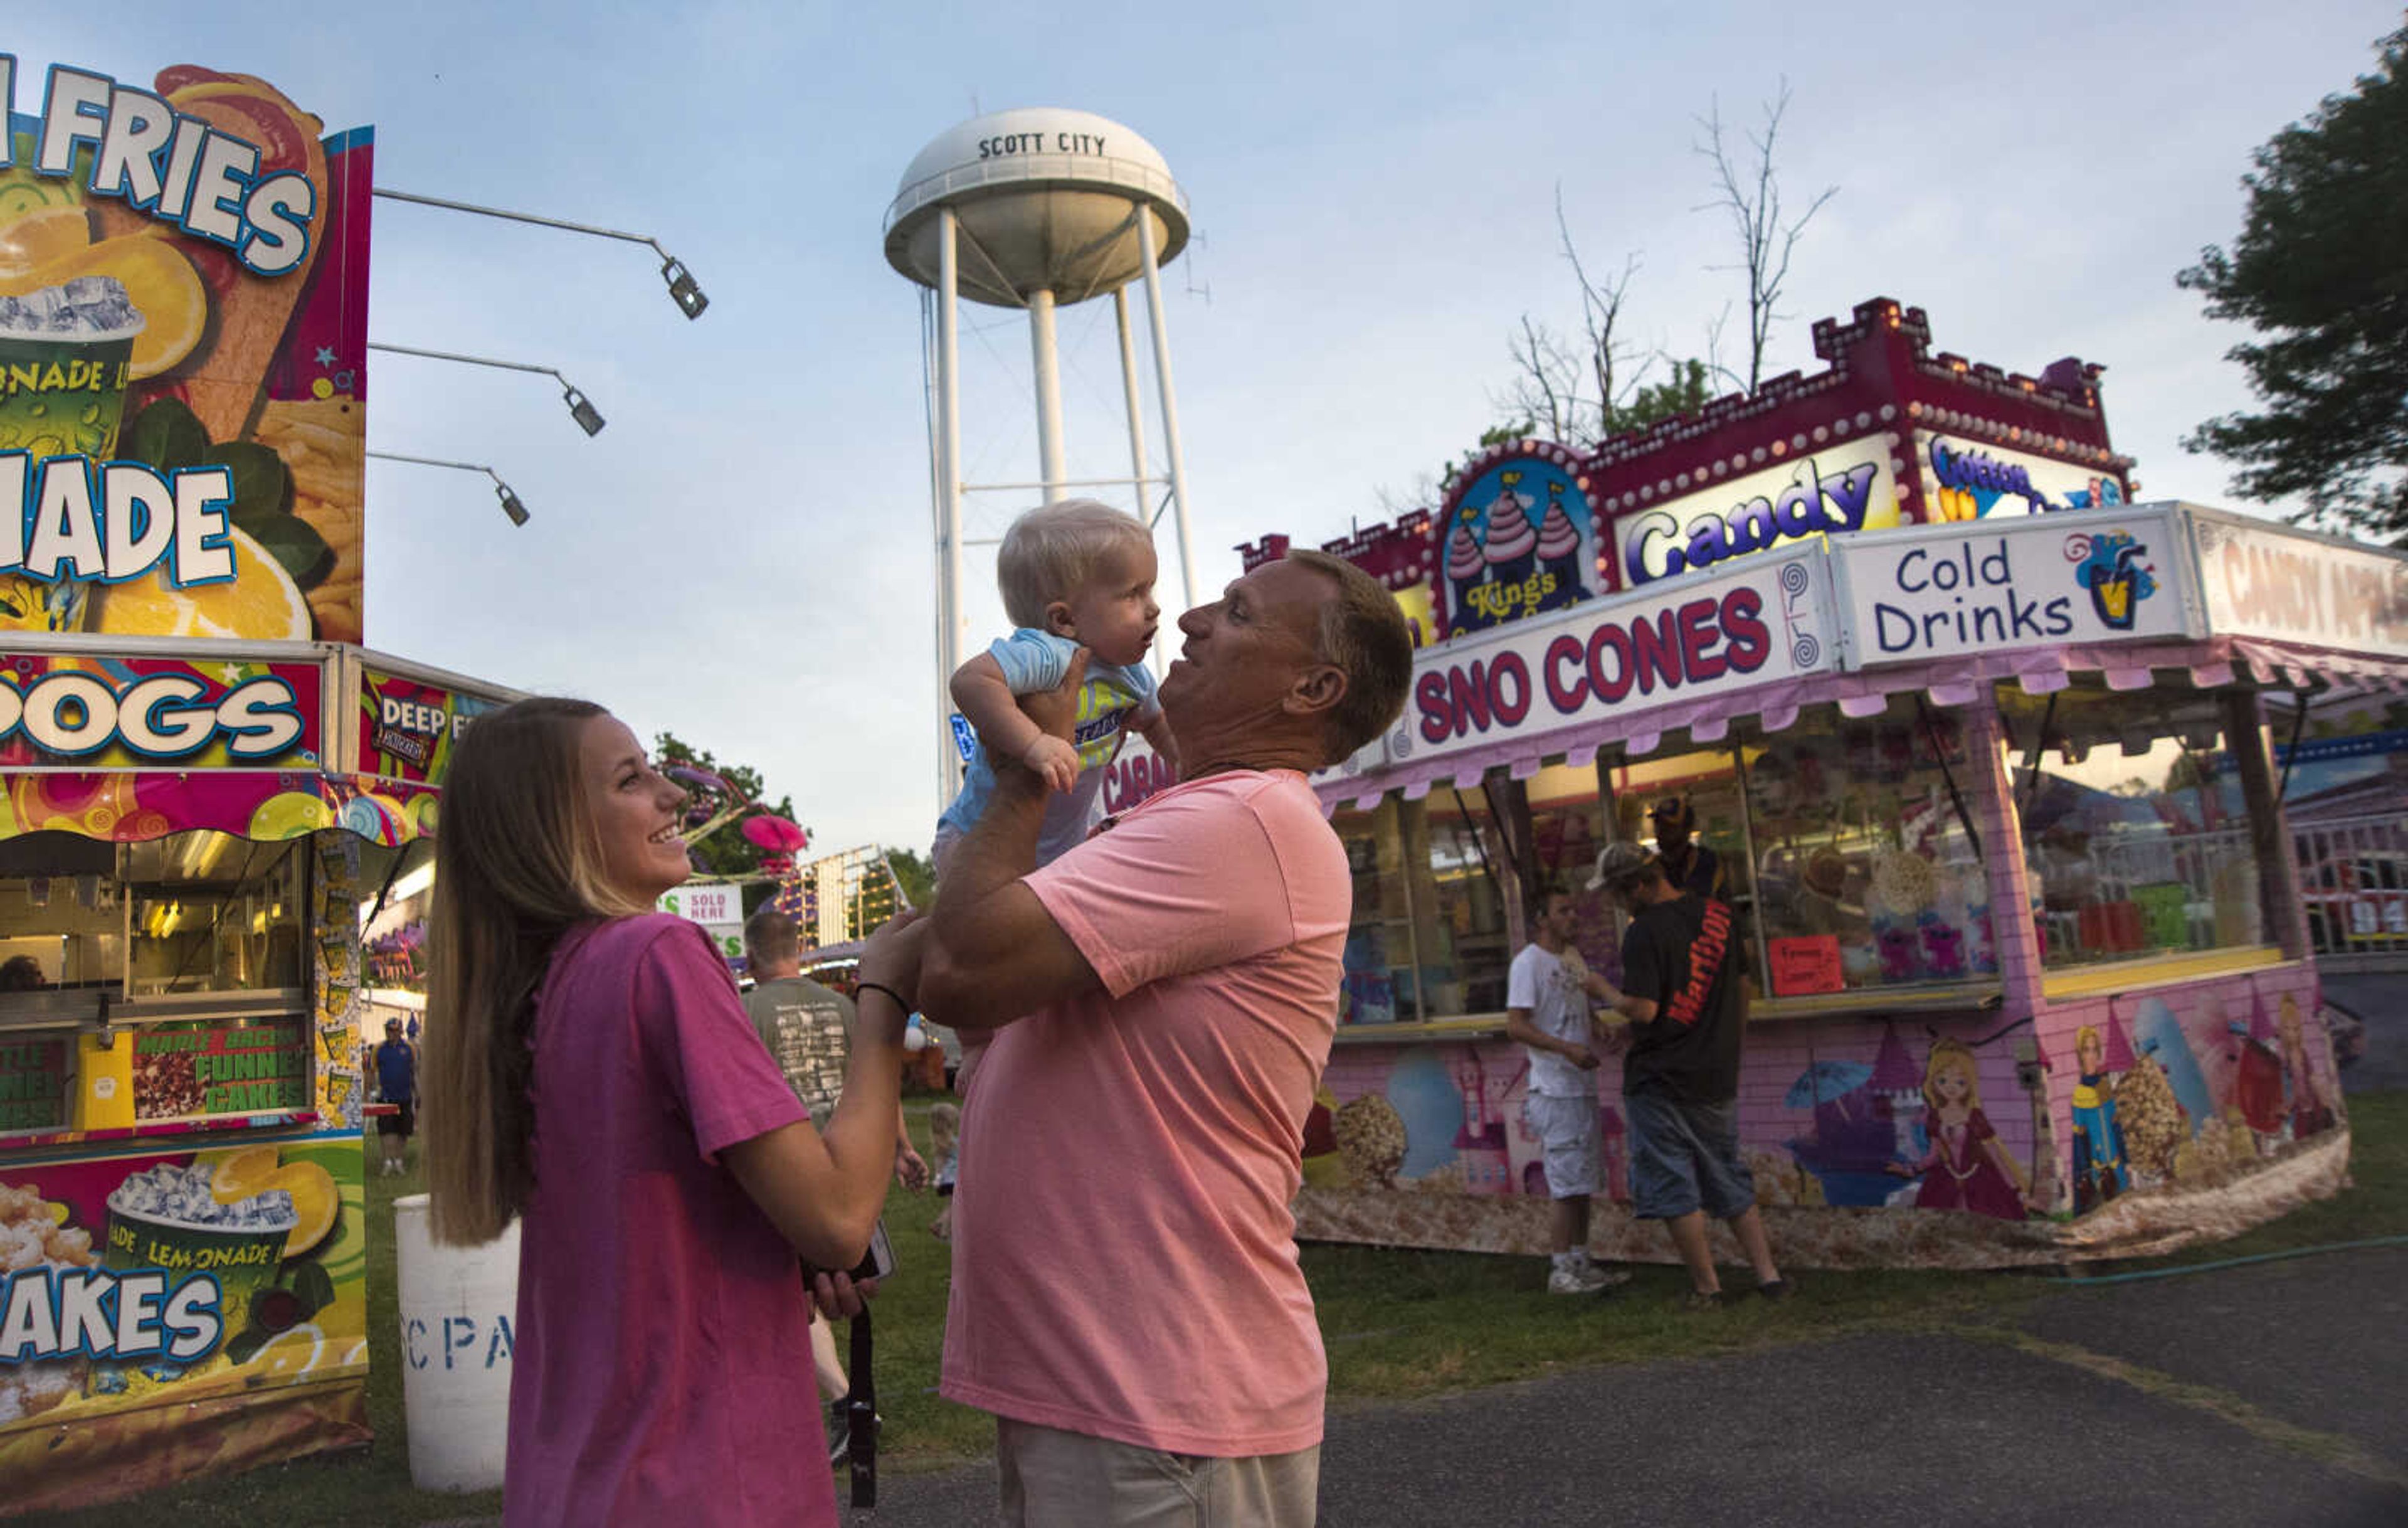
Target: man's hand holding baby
{"type": "Point", "coordinates": [1055, 713]}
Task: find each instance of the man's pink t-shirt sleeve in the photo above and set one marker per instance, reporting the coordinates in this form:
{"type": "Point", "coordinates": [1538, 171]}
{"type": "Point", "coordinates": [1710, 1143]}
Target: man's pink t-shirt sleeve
{"type": "Point", "coordinates": [687, 1009]}
{"type": "Point", "coordinates": [1192, 882]}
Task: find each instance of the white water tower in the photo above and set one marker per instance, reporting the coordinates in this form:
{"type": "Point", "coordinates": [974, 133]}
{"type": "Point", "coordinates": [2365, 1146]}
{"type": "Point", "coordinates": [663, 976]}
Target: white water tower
{"type": "Point", "coordinates": [1035, 209]}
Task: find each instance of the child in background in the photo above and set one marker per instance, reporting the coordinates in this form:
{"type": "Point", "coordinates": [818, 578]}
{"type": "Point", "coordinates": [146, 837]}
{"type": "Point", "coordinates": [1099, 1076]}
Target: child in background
{"type": "Point", "coordinates": [944, 1145]}
{"type": "Point", "coordinates": [1074, 574]}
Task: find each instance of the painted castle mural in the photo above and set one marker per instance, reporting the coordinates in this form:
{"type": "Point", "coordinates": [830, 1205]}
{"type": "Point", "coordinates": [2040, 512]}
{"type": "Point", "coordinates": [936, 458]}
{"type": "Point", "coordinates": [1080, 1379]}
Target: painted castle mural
{"type": "Point", "coordinates": [2130, 1100]}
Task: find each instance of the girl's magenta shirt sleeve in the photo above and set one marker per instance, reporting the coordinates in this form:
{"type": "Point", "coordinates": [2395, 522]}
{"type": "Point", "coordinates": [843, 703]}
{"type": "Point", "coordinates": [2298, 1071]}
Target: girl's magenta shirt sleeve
{"type": "Point", "coordinates": [695, 1030]}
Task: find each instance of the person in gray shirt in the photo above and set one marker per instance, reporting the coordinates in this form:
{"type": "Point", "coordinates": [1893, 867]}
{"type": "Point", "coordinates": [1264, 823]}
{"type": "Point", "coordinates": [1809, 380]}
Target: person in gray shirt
{"type": "Point", "coordinates": [808, 1031]}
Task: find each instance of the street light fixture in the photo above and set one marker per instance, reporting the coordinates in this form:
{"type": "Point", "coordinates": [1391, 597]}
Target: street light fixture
{"type": "Point", "coordinates": [510, 504]}
{"type": "Point", "coordinates": [683, 290]}
{"type": "Point", "coordinates": [589, 418]}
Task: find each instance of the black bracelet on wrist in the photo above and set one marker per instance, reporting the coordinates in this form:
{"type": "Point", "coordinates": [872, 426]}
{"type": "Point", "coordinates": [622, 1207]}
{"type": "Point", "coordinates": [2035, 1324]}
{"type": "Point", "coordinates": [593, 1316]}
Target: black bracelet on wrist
{"type": "Point", "coordinates": [880, 986]}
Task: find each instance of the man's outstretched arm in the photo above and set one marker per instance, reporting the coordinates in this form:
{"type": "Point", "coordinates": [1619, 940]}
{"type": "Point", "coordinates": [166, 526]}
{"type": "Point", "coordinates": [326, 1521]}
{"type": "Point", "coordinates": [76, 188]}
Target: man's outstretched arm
{"type": "Point", "coordinates": [994, 953]}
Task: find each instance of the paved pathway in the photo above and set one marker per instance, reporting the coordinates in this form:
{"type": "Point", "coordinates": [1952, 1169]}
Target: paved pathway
{"type": "Point", "coordinates": [2271, 1394]}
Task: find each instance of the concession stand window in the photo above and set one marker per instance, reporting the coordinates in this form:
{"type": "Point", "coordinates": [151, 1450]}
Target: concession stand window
{"type": "Point", "coordinates": [2136, 817]}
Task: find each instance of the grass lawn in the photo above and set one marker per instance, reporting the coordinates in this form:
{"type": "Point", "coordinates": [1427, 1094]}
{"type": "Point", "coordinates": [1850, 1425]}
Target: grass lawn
{"type": "Point", "coordinates": [1398, 1324]}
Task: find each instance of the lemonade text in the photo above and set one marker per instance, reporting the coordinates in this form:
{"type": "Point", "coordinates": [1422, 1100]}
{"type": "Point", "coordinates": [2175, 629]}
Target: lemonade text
{"type": "Point", "coordinates": [80, 519]}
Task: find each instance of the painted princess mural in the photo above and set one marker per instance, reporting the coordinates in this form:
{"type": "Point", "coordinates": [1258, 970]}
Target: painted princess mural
{"type": "Point", "coordinates": [2310, 1114]}
{"type": "Point", "coordinates": [1965, 1167]}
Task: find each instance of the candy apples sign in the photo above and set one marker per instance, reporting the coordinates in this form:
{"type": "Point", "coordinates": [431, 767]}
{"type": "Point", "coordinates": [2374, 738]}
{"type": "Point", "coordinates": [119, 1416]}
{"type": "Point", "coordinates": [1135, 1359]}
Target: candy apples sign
{"type": "Point", "coordinates": [183, 315]}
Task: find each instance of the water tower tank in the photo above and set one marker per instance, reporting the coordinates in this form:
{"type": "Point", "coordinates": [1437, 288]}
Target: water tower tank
{"type": "Point", "coordinates": [1047, 200]}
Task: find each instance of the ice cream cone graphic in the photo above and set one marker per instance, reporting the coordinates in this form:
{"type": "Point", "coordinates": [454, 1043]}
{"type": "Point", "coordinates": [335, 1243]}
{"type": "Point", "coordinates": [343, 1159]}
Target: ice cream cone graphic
{"type": "Point", "coordinates": [1466, 569]}
{"type": "Point", "coordinates": [1512, 545]}
{"type": "Point", "coordinates": [1560, 548]}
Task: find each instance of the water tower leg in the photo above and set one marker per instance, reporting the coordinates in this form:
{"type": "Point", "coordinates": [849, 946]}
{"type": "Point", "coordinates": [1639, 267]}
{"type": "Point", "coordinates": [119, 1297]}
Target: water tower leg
{"type": "Point", "coordinates": [949, 493]}
{"type": "Point", "coordinates": [1169, 404]}
{"type": "Point", "coordinates": [1049, 391]}
{"type": "Point", "coordinates": [1139, 482]}
{"type": "Point", "coordinates": [1129, 392]}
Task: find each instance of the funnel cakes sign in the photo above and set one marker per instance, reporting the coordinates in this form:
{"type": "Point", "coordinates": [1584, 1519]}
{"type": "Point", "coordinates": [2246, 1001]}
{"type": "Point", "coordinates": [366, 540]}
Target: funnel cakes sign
{"type": "Point", "coordinates": [183, 314]}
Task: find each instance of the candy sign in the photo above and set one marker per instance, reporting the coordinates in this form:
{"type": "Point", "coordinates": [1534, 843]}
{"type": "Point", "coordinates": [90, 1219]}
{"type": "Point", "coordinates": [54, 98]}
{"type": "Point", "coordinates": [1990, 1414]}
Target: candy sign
{"type": "Point", "coordinates": [1843, 489]}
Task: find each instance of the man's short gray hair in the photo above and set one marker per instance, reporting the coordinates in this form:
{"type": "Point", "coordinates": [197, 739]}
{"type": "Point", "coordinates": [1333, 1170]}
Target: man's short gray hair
{"type": "Point", "coordinates": [1365, 635]}
{"type": "Point", "coordinates": [771, 935]}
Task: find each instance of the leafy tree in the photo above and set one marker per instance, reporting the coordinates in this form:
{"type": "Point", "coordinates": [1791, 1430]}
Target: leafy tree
{"type": "Point", "coordinates": [1685, 392]}
{"type": "Point", "coordinates": [917, 877]}
{"type": "Point", "coordinates": [727, 851]}
{"type": "Point", "coordinates": [2319, 271]}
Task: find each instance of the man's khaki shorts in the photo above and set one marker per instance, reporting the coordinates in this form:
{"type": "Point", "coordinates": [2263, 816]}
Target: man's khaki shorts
{"type": "Point", "coordinates": [1057, 1479]}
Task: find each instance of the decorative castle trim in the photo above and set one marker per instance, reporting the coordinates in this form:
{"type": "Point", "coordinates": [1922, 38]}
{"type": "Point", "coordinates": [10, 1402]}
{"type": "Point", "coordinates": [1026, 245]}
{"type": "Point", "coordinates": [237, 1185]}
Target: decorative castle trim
{"type": "Point", "coordinates": [1875, 416]}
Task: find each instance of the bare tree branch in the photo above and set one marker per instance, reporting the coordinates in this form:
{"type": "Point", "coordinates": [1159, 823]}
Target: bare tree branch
{"type": "Point", "coordinates": [1751, 194]}
{"type": "Point", "coordinates": [1571, 387]}
{"type": "Point", "coordinates": [1420, 494]}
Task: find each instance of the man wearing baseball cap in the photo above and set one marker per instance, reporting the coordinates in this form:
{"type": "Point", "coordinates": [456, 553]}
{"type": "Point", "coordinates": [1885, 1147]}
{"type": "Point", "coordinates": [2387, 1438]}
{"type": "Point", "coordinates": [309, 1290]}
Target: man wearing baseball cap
{"type": "Point", "coordinates": [396, 1078]}
{"type": "Point", "coordinates": [1684, 995]}
{"type": "Point", "coordinates": [1687, 864]}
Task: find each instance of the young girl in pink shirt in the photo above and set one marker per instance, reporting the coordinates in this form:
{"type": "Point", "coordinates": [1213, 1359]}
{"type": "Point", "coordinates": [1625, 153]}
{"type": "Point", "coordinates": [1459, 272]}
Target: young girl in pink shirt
{"type": "Point", "coordinates": [590, 1072]}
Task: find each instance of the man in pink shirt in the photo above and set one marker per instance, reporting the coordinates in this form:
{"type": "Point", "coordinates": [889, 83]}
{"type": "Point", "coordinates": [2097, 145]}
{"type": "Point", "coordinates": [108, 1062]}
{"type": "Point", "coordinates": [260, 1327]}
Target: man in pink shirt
{"type": "Point", "coordinates": [1127, 1297]}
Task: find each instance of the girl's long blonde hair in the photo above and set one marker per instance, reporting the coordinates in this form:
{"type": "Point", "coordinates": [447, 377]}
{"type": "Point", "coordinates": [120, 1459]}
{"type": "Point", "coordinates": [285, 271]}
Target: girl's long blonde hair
{"type": "Point", "coordinates": [516, 862]}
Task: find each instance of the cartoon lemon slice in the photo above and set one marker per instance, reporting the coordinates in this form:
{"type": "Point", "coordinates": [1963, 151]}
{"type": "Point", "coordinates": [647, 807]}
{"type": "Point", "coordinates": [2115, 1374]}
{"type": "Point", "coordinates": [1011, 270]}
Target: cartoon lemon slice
{"type": "Point", "coordinates": [315, 1200]}
{"type": "Point", "coordinates": [33, 239]}
{"type": "Point", "coordinates": [240, 1172]}
{"type": "Point", "coordinates": [261, 603]}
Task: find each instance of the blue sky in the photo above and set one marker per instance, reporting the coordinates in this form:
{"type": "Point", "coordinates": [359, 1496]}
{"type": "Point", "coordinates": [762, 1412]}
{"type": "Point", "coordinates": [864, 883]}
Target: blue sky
{"type": "Point", "coordinates": [743, 556]}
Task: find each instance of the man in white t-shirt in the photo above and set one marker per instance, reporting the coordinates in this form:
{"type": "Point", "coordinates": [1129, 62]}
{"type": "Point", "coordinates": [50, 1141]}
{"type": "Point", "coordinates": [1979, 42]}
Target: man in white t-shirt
{"type": "Point", "coordinates": [1547, 1011]}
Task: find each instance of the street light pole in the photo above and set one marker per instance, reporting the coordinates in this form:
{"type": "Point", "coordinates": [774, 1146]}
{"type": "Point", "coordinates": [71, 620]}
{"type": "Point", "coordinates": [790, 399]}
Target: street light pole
{"type": "Point", "coordinates": [589, 418]}
{"type": "Point", "coordinates": [510, 504]}
{"type": "Point", "coordinates": [683, 290]}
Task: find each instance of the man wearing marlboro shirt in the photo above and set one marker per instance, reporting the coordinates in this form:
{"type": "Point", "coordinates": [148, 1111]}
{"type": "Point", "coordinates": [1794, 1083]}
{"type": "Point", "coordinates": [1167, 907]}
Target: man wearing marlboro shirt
{"type": "Point", "coordinates": [1687, 1001]}
{"type": "Point", "coordinates": [1127, 1297]}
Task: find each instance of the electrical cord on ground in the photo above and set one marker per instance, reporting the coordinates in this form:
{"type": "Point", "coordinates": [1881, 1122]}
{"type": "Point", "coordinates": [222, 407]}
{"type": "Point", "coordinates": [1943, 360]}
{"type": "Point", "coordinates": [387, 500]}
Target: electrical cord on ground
{"type": "Point", "coordinates": [2231, 1262]}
